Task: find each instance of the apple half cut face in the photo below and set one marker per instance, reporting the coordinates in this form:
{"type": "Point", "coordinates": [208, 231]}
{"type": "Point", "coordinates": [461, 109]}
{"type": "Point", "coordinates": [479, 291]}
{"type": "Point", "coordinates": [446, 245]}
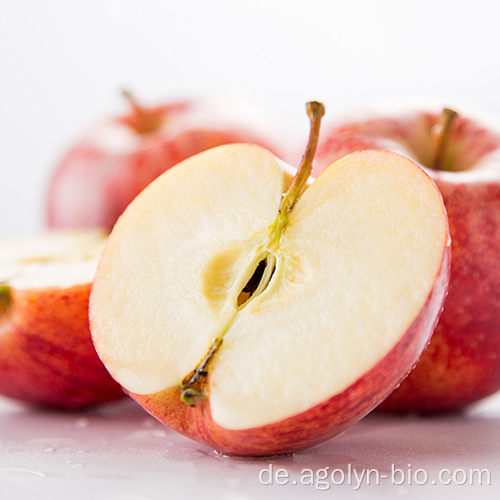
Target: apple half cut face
{"type": "Point", "coordinates": [56, 258]}
{"type": "Point", "coordinates": [46, 353]}
{"type": "Point", "coordinates": [260, 328]}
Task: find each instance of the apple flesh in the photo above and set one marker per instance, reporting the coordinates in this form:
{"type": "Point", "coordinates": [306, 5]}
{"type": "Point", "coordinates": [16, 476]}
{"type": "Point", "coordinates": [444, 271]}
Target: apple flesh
{"type": "Point", "coordinates": [462, 364]}
{"type": "Point", "coordinates": [105, 170]}
{"type": "Point", "coordinates": [260, 316]}
{"type": "Point", "coordinates": [46, 353]}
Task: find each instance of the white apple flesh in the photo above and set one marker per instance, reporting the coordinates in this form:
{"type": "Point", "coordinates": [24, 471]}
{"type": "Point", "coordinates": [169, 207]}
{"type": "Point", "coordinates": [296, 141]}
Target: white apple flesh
{"type": "Point", "coordinates": [46, 353]}
{"type": "Point", "coordinates": [259, 322]}
{"type": "Point", "coordinates": [461, 154]}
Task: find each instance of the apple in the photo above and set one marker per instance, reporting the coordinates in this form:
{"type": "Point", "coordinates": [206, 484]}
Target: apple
{"type": "Point", "coordinates": [461, 154]}
{"type": "Point", "coordinates": [260, 315]}
{"type": "Point", "coordinates": [107, 167]}
{"type": "Point", "coordinates": [46, 353]}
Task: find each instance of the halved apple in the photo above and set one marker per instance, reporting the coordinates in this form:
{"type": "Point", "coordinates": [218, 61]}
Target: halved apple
{"type": "Point", "coordinates": [261, 316]}
{"type": "Point", "coordinates": [46, 354]}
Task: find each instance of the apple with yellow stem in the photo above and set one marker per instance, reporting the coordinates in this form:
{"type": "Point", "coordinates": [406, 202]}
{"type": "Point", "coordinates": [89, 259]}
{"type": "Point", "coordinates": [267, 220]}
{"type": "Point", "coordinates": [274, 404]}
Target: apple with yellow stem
{"type": "Point", "coordinates": [260, 315]}
{"type": "Point", "coordinates": [46, 353]}
{"type": "Point", "coordinates": [109, 166]}
{"type": "Point", "coordinates": [461, 154]}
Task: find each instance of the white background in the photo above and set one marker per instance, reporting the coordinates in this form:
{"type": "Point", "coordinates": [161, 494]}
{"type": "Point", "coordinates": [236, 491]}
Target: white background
{"type": "Point", "coordinates": [62, 65]}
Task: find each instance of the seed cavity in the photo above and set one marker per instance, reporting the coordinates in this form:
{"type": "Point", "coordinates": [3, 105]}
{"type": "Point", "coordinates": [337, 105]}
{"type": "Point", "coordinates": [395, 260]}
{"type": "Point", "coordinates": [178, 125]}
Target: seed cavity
{"type": "Point", "coordinates": [258, 282]}
{"type": "Point", "coordinates": [261, 271]}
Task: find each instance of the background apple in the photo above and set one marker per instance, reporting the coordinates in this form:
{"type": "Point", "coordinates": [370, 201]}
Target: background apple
{"type": "Point", "coordinates": [46, 353]}
{"type": "Point", "coordinates": [258, 316]}
{"type": "Point", "coordinates": [104, 171]}
{"type": "Point", "coordinates": [462, 363]}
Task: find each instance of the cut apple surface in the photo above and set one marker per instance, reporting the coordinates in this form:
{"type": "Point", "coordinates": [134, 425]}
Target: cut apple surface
{"type": "Point", "coordinates": [51, 259]}
{"type": "Point", "coordinates": [46, 354]}
{"type": "Point", "coordinates": [260, 322]}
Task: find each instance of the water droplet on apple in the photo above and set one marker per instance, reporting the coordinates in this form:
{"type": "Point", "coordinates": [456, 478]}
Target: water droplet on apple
{"type": "Point", "coordinates": [219, 454]}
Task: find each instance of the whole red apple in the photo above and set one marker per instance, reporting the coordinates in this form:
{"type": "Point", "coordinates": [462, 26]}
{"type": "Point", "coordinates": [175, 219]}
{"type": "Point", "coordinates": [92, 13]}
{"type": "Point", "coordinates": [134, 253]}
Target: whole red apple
{"type": "Point", "coordinates": [462, 362]}
{"type": "Point", "coordinates": [109, 166]}
{"type": "Point", "coordinates": [46, 353]}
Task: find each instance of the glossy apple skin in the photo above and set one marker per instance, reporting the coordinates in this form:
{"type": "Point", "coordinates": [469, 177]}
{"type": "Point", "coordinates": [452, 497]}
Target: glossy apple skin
{"type": "Point", "coordinates": [105, 170]}
{"type": "Point", "coordinates": [319, 423]}
{"type": "Point", "coordinates": [47, 357]}
{"type": "Point", "coordinates": [462, 364]}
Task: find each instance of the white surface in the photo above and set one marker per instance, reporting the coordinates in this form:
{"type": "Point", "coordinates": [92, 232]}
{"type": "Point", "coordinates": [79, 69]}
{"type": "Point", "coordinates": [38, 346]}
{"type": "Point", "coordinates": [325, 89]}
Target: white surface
{"type": "Point", "coordinates": [119, 452]}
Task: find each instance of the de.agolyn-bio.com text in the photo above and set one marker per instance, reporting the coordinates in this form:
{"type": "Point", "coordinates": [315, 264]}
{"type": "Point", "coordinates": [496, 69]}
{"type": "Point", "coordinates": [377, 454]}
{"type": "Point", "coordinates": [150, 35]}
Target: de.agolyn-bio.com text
{"type": "Point", "coordinates": [325, 478]}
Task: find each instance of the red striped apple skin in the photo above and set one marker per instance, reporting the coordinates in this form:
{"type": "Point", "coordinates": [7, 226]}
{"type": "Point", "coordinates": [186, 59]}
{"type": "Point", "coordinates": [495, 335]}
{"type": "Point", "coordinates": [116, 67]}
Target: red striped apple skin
{"type": "Point", "coordinates": [46, 354]}
{"type": "Point", "coordinates": [319, 423]}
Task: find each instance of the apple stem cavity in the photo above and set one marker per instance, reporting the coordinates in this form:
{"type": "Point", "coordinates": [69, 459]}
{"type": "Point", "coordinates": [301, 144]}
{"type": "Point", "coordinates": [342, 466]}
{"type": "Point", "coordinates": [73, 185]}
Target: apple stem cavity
{"type": "Point", "coordinates": [259, 271]}
{"type": "Point", "coordinates": [441, 135]}
{"type": "Point", "coordinates": [143, 121]}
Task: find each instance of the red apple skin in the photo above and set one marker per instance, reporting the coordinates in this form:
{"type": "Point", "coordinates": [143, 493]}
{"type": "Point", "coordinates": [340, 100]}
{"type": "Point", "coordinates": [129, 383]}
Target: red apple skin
{"type": "Point", "coordinates": [319, 423]}
{"type": "Point", "coordinates": [96, 179]}
{"type": "Point", "coordinates": [462, 364]}
{"type": "Point", "coordinates": [47, 357]}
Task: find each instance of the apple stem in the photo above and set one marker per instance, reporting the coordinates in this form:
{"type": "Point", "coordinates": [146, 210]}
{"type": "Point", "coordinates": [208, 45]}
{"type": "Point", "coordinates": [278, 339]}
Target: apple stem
{"type": "Point", "coordinates": [144, 120]}
{"type": "Point", "coordinates": [315, 111]}
{"type": "Point", "coordinates": [442, 136]}
{"type": "Point", "coordinates": [5, 297]}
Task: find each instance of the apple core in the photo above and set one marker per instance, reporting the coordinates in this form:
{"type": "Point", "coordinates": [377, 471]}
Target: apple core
{"type": "Point", "coordinates": [257, 274]}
